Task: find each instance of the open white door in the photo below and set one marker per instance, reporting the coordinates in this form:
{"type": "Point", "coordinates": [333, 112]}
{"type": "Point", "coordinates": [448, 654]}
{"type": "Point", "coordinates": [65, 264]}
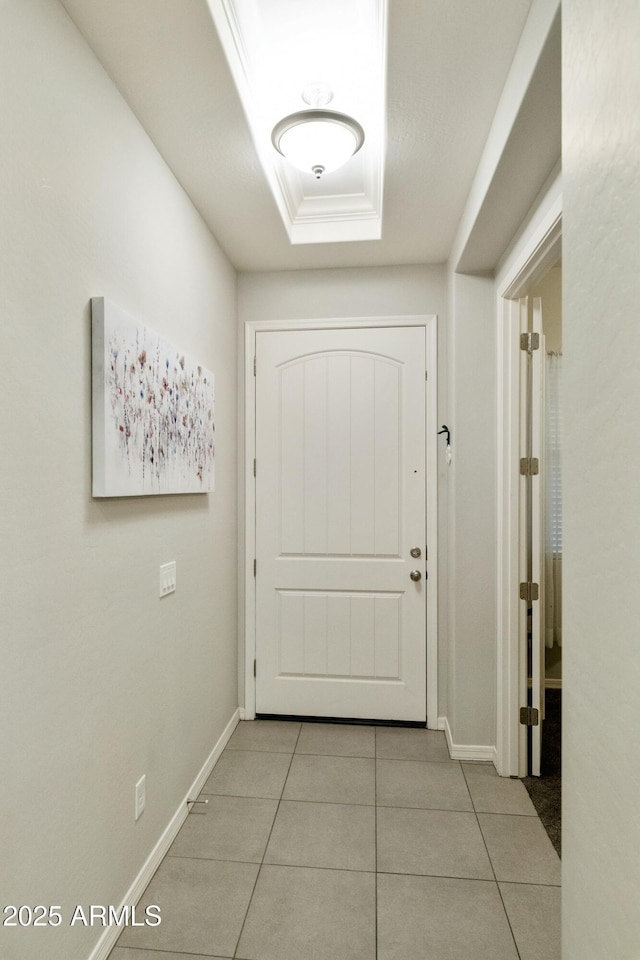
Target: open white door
{"type": "Point", "coordinates": [537, 539]}
{"type": "Point", "coordinates": [340, 523]}
{"type": "Point", "coordinates": [524, 541]}
{"type": "Point", "coordinates": [531, 536]}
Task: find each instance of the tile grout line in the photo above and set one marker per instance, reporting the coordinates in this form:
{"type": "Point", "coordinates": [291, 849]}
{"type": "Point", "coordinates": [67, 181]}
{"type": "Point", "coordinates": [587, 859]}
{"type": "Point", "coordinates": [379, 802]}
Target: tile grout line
{"type": "Point", "coordinates": [513, 936]}
{"type": "Point", "coordinates": [160, 953]}
{"type": "Point", "coordinates": [344, 803]}
{"type": "Point", "coordinates": [530, 883]}
{"type": "Point", "coordinates": [342, 756]}
{"type": "Point", "coordinates": [521, 816]}
{"type": "Point", "coordinates": [331, 803]}
{"type": "Point", "coordinates": [385, 873]}
{"type": "Point", "coordinates": [293, 753]}
{"type": "Point", "coordinates": [375, 835]}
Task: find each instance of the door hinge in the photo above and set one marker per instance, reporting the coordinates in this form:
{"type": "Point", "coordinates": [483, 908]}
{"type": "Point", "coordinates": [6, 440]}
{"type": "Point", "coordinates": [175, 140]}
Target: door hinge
{"type": "Point", "coordinates": [529, 466]}
{"type": "Point", "coordinates": [254, 667]}
{"type": "Point", "coordinates": [255, 567]}
{"type": "Point", "coordinates": [529, 591]}
{"type": "Point", "coordinates": [254, 467]}
{"type": "Point", "coordinates": [529, 341]}
{"type": "Point", "coordinates": [529, 717]}
{"type": "Point", "coordinates": [255, 366]}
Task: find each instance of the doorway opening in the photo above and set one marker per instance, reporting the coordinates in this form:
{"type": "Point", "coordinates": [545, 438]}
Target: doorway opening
{"type": "Point", "coordinates": [537, 256]}
{"type": "Point", "coordinates": [315, 646]}
{"type": "Point", "coordinates": [529, 267]}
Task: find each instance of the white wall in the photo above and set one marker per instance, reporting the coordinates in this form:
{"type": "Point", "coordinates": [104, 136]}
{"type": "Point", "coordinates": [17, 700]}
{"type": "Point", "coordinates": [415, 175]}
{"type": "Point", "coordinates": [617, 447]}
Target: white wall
{"type": "Point", "coordinates": [471, 704]}
{"type": "Point", "coordinates": [601, 651]}
{"type": "Point", "coordinates": [499, 189]}
{"type": "Point", "coordinates": [355, 292]}
{"type": "Point", "coordinates": [101, 681]}
{"type": "Point", "coordinates": [359, 292]}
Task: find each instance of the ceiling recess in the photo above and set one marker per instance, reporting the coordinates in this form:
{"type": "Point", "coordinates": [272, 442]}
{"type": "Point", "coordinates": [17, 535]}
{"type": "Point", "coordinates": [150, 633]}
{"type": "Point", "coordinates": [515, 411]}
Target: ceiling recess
{"type": "Point", "coordinates": [283, 52]}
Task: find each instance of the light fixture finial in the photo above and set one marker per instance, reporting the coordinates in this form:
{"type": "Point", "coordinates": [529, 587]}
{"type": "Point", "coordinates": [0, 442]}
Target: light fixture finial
{"type": "Point", "coordinates": [317, 94]}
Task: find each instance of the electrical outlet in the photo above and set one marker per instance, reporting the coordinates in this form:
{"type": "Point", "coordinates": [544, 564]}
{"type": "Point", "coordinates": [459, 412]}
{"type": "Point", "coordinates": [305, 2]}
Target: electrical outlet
{"type": "Point", "coordinates": [141, 796]}
{"type": "Point", "coordinates": [167, 578]}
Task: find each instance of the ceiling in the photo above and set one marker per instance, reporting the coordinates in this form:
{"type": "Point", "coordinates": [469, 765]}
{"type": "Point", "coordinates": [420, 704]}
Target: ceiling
{"type": "Point", "coordinates": [333, 54]}
{"type": "Point", "coordinates": [447, 62]}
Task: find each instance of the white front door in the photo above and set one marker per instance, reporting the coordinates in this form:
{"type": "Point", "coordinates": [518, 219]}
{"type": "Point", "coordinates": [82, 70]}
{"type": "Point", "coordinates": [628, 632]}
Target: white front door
{"type": "Point", "coordinates": [340, 505]}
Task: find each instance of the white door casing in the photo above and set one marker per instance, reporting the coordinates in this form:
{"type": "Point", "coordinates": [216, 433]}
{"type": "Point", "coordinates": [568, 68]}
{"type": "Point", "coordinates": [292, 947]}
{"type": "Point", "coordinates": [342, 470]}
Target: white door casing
{"type": "Point", "coordinates": [340, 501]}
{"type": "Point", "coordinates": [538, 250]}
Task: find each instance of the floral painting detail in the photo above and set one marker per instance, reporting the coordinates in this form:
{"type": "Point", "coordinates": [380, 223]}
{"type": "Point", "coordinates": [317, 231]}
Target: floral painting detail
{"type": "Point", "coordinates": [153, 411]}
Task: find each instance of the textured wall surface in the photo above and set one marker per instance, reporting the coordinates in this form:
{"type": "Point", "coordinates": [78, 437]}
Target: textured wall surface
{"type": "Point", "coordinates": [601, 652]}
{"type": "Point", "coordinates": [101, 681]}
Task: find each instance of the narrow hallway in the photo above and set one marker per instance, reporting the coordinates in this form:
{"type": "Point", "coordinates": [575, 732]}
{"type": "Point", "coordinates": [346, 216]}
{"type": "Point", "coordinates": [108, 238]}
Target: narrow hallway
{"type": "Point", "coordinates": [338, 842]}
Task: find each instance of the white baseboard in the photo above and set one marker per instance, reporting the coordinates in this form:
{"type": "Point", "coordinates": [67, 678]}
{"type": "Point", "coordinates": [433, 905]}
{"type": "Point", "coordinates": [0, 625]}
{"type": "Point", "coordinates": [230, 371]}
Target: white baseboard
{"type": "Point", "coordinates": [108, 939]}
{"type": "Point", "coordinates": [465, 751]}
{"type": "Point", "coordinates": [242, 713]}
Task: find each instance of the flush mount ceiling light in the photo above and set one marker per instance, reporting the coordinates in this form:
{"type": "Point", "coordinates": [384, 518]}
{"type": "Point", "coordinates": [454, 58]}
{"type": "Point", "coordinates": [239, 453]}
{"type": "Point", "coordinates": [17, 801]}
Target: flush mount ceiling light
{"type": "Point", "coordinates": [317, 141]}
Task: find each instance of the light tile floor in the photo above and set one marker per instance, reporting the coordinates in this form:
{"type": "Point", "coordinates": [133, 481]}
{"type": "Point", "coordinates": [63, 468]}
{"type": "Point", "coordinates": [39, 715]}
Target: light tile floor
{"type": "Point", "coordinates": [336, 842]}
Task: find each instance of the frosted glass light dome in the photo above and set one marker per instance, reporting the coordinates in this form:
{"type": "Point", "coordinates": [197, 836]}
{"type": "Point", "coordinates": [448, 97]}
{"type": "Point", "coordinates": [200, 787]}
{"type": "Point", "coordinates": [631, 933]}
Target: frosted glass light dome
{"type": "Point", "coordinates": [317, 141]}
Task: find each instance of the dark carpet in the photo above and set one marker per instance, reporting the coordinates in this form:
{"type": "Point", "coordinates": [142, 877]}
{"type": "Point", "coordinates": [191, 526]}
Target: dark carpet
{"type": "Point", "coordinates": [545, 791]}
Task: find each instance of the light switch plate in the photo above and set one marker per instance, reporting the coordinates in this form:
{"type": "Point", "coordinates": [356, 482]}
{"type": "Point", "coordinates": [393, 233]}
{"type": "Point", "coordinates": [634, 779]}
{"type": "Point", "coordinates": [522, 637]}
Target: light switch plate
{"type": "Point", "coordinates": [167, 578]}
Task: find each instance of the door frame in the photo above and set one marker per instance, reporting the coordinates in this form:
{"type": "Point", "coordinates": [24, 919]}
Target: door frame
{"type": "Point", "coordinates": [539, 250]}
{"type": "Point", "coordinates": [430, 325]}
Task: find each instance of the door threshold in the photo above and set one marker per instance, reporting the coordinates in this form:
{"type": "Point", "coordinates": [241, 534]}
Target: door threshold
{"type": "Point", "coordinates": [345, 720]}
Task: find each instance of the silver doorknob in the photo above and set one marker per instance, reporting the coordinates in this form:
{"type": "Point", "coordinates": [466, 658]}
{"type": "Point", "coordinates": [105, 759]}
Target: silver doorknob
{"type": "Point", "coordinates": [415, 575]}
{"type": "Point", "coordinates": [415, 552]}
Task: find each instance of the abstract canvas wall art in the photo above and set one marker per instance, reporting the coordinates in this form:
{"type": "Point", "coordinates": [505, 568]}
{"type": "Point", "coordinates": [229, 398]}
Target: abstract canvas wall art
{"type": "Point", "coordinates": [153, 411]}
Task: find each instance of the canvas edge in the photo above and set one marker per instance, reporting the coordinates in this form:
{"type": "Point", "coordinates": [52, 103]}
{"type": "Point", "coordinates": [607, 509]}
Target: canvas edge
{"type": "Point", "coordinates": [97, 398]}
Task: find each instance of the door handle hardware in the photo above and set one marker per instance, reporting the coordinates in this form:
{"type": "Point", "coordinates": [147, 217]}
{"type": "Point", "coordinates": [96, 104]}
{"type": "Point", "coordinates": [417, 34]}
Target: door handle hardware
{"type": "Point", "coordinates": [415, 575]}
{"type": "Point", "coordinates": [416, 552]}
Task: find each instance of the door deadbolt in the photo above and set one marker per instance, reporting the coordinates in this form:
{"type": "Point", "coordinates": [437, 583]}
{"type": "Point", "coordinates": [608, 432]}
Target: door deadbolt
{"type": "Point", "coordinates": [415, 575]}
{"type": "Point", "coordinates": [416, 552]}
